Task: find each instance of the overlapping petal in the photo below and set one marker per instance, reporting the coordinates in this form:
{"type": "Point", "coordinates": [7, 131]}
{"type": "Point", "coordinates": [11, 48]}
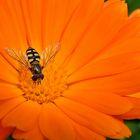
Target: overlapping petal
{"type": "Point", "coordinates": [104, 102]}
{"type": "Point", "coordinates": [100, 33]}
{"type": "Point", "coordinates": [82, 115]}
{"type": "Point", "coordinates": [5, 132]}
{"type": "Point", "coordinates": [24, 122]}
{"type": "Point", "coordinates": [54, 124]}
{"type": "Point", "coordinates": [33, 134]}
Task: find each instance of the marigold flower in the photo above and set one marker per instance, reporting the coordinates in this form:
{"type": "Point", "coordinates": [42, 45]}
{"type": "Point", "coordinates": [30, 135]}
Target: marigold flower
{"type": "Point", "coordinates": [83, 90]}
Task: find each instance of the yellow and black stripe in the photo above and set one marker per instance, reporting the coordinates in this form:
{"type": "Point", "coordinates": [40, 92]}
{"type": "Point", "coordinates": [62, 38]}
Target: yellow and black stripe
{"type": "Point", "coordinates": [32, 55]}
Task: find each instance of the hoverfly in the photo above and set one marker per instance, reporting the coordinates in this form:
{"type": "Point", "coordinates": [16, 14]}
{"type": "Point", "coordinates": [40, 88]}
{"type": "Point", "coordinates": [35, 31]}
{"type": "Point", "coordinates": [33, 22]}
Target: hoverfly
{"type": "Point", "coordinates": [31, 60]}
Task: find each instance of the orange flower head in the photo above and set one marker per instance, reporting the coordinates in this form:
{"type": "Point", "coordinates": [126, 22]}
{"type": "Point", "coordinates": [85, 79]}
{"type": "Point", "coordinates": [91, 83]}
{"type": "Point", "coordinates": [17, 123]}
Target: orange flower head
{"type": "Point", "coordinates": [40, 83]}
{"type": "Point", "coordinates": [67, 69]}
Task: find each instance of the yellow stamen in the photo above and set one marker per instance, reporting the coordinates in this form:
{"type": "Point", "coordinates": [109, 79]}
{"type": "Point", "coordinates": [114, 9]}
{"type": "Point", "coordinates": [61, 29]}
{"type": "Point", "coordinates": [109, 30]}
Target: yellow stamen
{"type": "Point", "coordinates": [53, 84]}
{"type": "Point", "coordinates": [51, 87]}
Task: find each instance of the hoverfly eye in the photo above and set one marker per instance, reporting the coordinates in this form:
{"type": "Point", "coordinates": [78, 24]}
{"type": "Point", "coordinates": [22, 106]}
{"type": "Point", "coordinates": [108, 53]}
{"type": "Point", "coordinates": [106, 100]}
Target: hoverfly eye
{"type": "Point", "coordinates": [42, 76]}
{"type": "Point", "coordinates": [34, 78]}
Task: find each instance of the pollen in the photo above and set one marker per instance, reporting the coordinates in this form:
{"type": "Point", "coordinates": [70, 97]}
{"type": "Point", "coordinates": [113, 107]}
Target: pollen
{"type": "Point", "coordinates": [51, 87]}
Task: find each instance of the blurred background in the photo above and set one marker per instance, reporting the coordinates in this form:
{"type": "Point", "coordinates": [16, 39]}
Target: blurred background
{"type": "Point", "coordinates": [135, 124]}
{"type": "Point", "coordinates": [133, 4]}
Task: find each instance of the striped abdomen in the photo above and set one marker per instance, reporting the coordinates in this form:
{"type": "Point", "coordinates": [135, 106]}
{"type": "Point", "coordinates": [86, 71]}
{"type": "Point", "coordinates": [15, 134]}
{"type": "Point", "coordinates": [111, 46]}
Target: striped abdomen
{"type": "Point", "coordinates": [32, 55]}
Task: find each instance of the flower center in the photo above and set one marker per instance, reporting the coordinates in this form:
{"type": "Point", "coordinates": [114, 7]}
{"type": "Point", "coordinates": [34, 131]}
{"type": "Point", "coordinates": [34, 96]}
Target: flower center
{"type": "Point", "coordinates": [50, 88]}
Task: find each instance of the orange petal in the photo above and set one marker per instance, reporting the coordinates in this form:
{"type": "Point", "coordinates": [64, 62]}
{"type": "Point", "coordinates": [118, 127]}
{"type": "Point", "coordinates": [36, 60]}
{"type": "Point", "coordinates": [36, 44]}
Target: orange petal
{"type": "Point", "coordinates": [77, 27]}
{"type": "Point", "coordinates": [5, 132]}
{"type": "Point", "coordinates": [54, 124]}
{"type": "Point", "coordinates": [106, 67]}
{"type": "Point", "coordinates": [84, 133]}
{"type": "Point", "coordinates": [9, 91]}
{"type": "Point", "coordinates": [127, 39]}
{"type": "Point", "coordinates": [98, 36]}
{"type": "Point", "coordinates": [56, 17]}
{"type": "Point", "coordinates": [107, 103]}
{"type": "Point", "coordinates": [135, 13]}
{"type": "Point", "coordinates": [124, 83]}
{"type": "Point", "coordinates": [33, 134]}
{"type": "Point", "coordinates": [133, 22]}
{"type": "Point", "coordinates": [34, 17]}
{"type": "Point", "coordinates": [30, 111]}
{"type": "Point", "coordinates": [133, 113]}
{"type": "Point", "coordinates": [9, 74]}
{"type": "Point", "coordinates": [124, 131]}
{"type": "Point", "coordinates": [12, 29]}
{"type": "Point", "coordinates": [96, 122]}
{"type": "Point", "coordinates": [7, 105]}
{"type": "Point", "coordinates": [128, 45]}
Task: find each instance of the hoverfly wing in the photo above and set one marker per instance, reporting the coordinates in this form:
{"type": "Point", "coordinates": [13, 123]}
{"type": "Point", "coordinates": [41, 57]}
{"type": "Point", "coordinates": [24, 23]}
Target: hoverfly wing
{"type": "Point", "coordinates": [49, 53]}
{"type": "Point", "coordinates": [18, 56]}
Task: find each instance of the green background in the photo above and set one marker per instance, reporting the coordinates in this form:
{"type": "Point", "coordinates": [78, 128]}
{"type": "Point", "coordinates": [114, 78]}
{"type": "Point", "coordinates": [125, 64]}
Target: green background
{"type": "Point", "coordinates": [133, 125]}
{"type": "Point", "coordinates": [133, 4]}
